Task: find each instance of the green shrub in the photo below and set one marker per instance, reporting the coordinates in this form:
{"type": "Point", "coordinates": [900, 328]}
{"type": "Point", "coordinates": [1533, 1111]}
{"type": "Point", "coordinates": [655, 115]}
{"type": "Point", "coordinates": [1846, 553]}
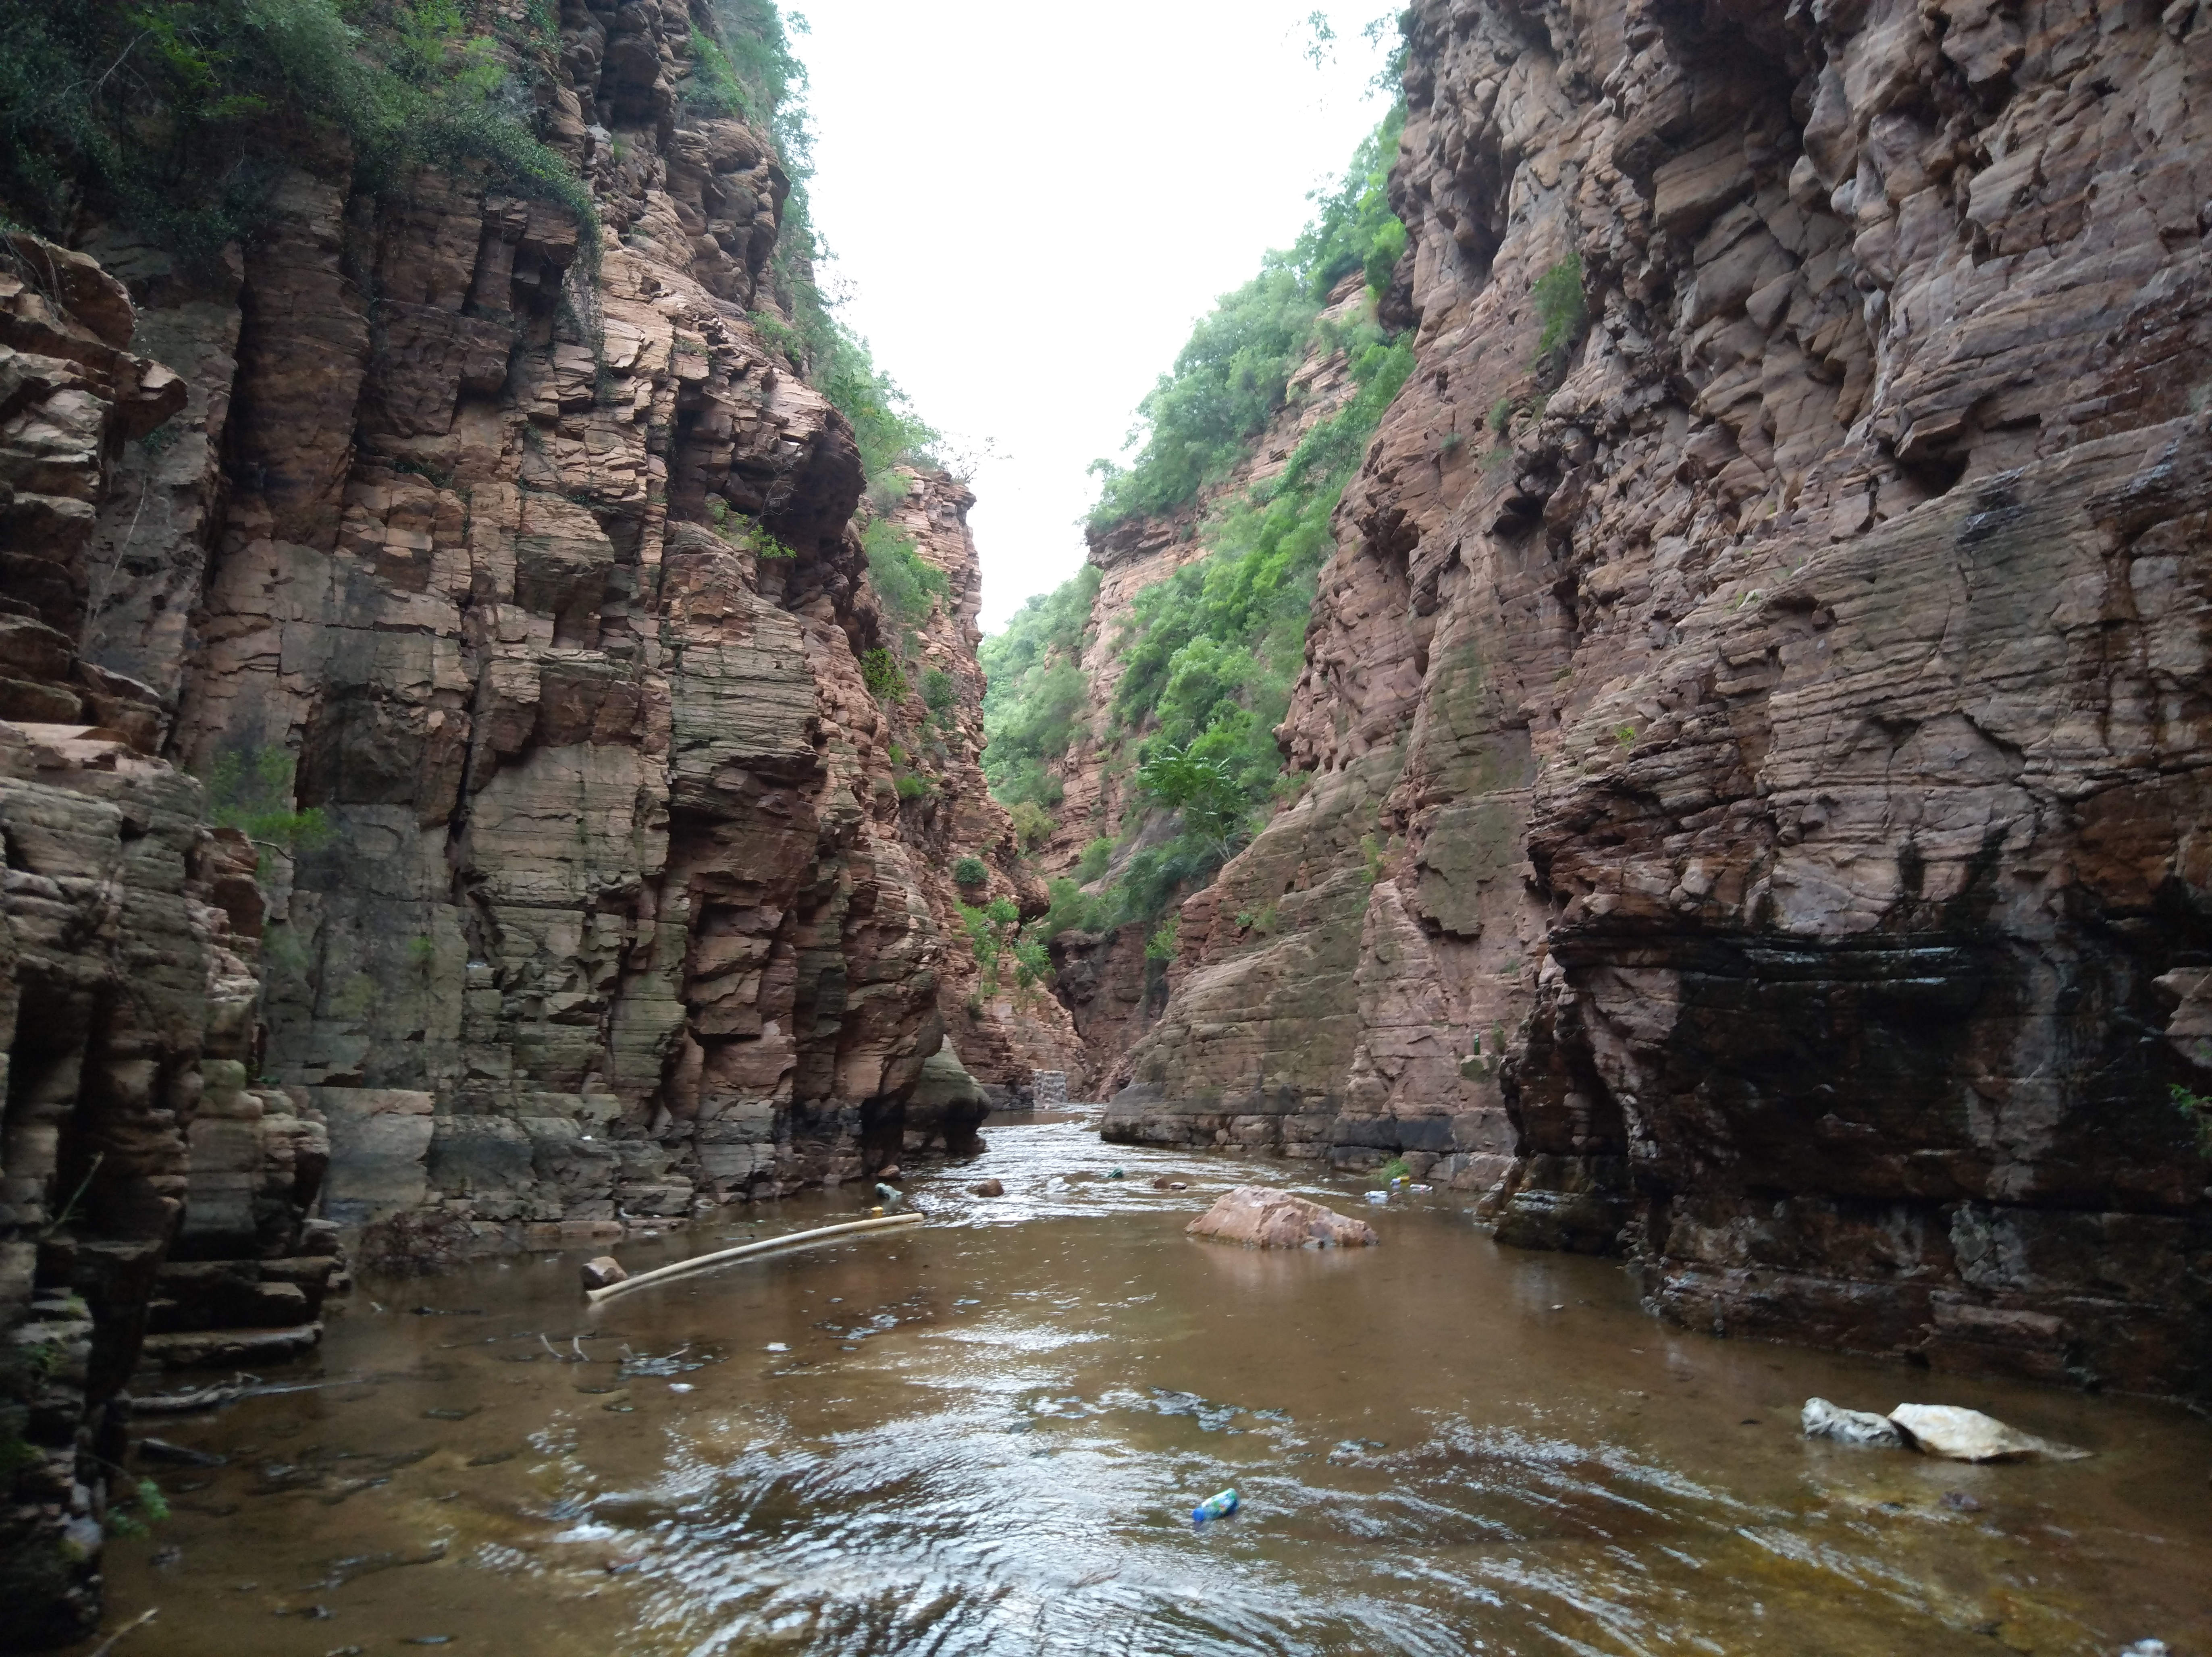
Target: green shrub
{"type": "Point", "coordinates": [170, 115]}
{"type": "Point", "coordinates": [1071, 911]}
{"type": "Point", "coordinates": [941, 694]}
{"type": "Point", "coordinates": [2198, 1111]}
{"type": "Point", "coordinates": [712, 87]}
{"type": "Point", "coordinates": [1204, 792]}
{"type": "Point", "coordinates": [886, 680]}
{"type": "Point", "coordinates": [1161, 945]}
{"type": "Point", "coordinates": [1096, 856]}
{"type": "Point", "coordinates": [1559, 296]}
{"type": "Point", "coordinates": [909, 584]}
{"type": "Point", "coordinates": [969, 870]}
{"type": "Point", "coordinates": [912, 787]}
{"type": "Point", "coordinates": [1032, 823]}
{"type": "Point", "coordinates": [250, 789]}
{"type": "Point", "coordinates": [999, 939]}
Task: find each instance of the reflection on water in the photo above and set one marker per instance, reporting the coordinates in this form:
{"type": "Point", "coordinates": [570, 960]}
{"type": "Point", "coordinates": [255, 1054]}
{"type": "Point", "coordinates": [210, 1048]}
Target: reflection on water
{"type": "Point", "coordinates": [987, 1436]}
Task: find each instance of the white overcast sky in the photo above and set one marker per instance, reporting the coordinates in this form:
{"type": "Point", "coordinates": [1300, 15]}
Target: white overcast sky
{"type": "Point", "coordinates": [1029, 205]}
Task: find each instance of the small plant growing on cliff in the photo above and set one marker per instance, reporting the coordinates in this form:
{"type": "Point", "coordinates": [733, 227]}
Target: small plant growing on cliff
{"type": "Point", "coordinates": [1559, 296]}
{"type": "Point", "coordinates": [940, 693]}
{"type": "Point", "coordinates": [713, 86]}
{"type": "Point", "coordinates": [250, 790]}
{"type": "Point", "coordinates": [913, 785]}
{"type": "Point", "coordinates": [1163, 944]}
{"type": "Point", "coordinates": [886, 680]}
{"type": "Point", "coordinates": [1396, 1168]}
{"type": "Point", "coordinates": [1449, 443]}
{"type": "Point", "coordinates": [1374, 856]}
{"type": "Point", "coordinates": [909, 584]}
{"type": "Point", "coordinates": [1095, 858]}
{"type": "Point", "coordinates": [1033, 825]}
{"type": "Point", "coordinates": [2197, 1109]}
{"type": "Point", "coordinates": [778, 335]}
{"type": "Point", "coordinates": [1624, 735]}
{"type": "Point", "coordinates": [1204, 792]}
{"type": "Point", "coordinates": [1501, 415]}
{"type": "Point", "coordinates": [971, 871]}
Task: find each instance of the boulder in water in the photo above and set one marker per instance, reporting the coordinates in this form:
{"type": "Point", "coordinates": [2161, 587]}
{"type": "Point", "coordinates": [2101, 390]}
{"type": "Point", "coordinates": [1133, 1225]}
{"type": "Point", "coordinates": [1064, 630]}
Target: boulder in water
{"type": "Point", "coordinates": [1864, 1427]}
{"type": "Point", "coordinates": [1959, 1434]}
{"type": "Point", "coordinates": [989, 1188]}
{"type": "Point", "coordinates": [1260, 1218]}
{"type": "Point", "coordinates": [604, 1272]}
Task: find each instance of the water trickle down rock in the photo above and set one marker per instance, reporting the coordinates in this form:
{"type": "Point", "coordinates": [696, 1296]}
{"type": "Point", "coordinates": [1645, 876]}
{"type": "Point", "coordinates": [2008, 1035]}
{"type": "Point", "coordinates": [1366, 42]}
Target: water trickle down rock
{"type": "Point", "coordinates": [1776, 711]}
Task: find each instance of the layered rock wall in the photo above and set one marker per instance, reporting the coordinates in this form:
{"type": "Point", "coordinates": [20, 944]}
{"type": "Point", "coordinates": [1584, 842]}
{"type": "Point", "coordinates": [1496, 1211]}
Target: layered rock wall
{"type": "Point", "coordinates": [498, 579]}
{"type": "Point", "coordinates": [1757, 728]}
{"type": "Point", "coordinates": [152, 1203]}
{"type": "Point", "coordinates": [522, 573]}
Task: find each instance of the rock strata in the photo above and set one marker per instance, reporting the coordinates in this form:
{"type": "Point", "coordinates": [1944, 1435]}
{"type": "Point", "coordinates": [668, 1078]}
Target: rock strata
{"type": "Point", "coordinates": [531, 572]}
{"type": "Point", "coordinates": [154, 1201]}
{"type": "Point", "coordinates": [505, 578]}
{"type": "Point", "coordinates": [1755, 709]}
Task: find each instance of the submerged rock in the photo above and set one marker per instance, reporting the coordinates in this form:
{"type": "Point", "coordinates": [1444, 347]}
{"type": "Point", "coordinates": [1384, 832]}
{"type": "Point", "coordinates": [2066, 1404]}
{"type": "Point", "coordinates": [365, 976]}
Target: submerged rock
{"type": "Point", "coordinates": [1959, 1435]}
{"type": "Point", "coordinates": [1860, 1427]}
{"type": "Point", "coordinates": [989, 1188]}
{"type": "Point", "coordinates": [604, 1272]}
{"type": "Point", "coordinates": [1259, 1218]}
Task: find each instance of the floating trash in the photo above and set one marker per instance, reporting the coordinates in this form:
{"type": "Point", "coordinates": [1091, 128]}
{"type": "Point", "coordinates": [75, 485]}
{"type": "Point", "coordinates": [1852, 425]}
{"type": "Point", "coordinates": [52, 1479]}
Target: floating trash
{"type": "Point", "coordinates": [1219, 1505]}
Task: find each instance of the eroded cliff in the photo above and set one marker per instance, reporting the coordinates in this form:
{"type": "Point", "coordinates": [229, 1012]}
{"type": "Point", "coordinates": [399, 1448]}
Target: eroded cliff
{"type": "Point", "coordinates": [485, 565]}
{"type": "Point", "coordinates": [1756, 705]}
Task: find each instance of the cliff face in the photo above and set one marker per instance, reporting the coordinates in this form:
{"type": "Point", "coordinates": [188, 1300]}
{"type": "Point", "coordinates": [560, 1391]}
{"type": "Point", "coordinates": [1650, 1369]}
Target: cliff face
{"type": "Point", "coordinates": [595, 816]}
{"type": "Point", "coordinates": [152, 1203]}
{"type": "Point", "coordinates": [1757, 730]}
{"type": "Point", "coordinates": [619, 909]}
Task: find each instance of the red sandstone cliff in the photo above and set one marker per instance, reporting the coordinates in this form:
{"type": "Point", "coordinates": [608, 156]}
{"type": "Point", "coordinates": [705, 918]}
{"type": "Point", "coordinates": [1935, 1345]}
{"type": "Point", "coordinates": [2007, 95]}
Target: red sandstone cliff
{"type": "Point", "coordinates": [513, 588]}
{"type": "Point", "coordinates": [1759, 748]}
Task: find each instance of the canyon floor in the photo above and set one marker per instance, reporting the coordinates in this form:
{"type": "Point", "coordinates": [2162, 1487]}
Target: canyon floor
{"type": "Point", "coordinates": [988, 1435]}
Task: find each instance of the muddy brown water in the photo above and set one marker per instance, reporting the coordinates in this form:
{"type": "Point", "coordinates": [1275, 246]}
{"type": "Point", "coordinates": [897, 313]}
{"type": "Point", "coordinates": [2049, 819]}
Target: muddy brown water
{"type": "Point", "coordinates": [985, 1436]}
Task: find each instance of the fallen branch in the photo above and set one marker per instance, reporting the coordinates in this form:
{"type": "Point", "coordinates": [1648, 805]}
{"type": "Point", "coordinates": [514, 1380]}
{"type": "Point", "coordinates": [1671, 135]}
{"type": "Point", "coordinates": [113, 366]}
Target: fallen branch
{"type": "Point", "coordinates": [206, 1397]}
{"type": "Point", "coordinates": [143, 1618]}
{"type": "Point", "coordinates": [746, 1251]}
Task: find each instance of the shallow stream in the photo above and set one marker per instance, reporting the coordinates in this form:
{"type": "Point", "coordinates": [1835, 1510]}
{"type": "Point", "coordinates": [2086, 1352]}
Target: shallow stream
{"type": "Point", "coordinates": [986, 1435]}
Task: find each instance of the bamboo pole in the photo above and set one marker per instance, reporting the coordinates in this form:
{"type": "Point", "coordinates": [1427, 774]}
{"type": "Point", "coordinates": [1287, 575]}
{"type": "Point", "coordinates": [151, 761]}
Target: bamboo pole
{"type": "Point", "coordinates": [744, 1251]}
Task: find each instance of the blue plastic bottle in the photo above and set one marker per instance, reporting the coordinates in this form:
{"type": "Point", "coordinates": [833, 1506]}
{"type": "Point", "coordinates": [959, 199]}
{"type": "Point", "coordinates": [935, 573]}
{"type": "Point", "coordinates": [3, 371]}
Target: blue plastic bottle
{"type": "Point", "coordinates": [1220, 1506]}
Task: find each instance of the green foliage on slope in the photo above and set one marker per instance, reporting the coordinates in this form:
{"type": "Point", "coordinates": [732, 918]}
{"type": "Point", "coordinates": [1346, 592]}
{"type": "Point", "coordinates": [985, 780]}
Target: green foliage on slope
{"type": "Point", "coordinates": [1034, 691]}
{"type": "Point", "coordinates": [175, 114]}
{"type": "Point", "coordinates": [1233, 376]}
{"type": "Point", "coordinates": [1209, 655]}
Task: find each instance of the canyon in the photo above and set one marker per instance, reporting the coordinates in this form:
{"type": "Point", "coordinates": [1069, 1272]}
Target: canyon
{"type": "Point", "coordinates": [493, 747]}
